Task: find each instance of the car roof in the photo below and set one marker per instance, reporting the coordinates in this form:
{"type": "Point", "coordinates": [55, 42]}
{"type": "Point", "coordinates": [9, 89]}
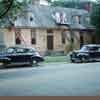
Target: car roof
{"type": "Point", "coordinates": [21, 47]}
{"type": "Point", "coordinates": [92, 45]}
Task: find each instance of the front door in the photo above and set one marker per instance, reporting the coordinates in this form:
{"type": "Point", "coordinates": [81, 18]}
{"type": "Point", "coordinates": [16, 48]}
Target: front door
{"type": "Point", "coordinates": [50, 40]}
{"type": "Point", "coordinates": [81, 39]}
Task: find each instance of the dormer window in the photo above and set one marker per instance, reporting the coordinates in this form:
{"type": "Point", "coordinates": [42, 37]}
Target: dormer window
{"type": "Point", "coordinates": [60, 18]}
{"type": "Point", "coordinates": [31, 18]}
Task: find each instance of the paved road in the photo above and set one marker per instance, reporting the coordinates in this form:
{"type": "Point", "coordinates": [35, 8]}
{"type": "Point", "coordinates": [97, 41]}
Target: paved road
{"type": "Point", "coordinates": [58, 79]}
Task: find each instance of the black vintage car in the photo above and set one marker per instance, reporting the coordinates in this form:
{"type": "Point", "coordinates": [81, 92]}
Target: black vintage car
{"type": "Point", "coordinates": [88, 53]}
{"type": "Point", "coordinates": [19, 55]}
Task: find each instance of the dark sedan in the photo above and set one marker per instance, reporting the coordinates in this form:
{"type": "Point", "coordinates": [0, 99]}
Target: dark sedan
{"type": "Point", "coordinates": [19, 55]}
{"type": "Point", "coordinates": [88, 53]}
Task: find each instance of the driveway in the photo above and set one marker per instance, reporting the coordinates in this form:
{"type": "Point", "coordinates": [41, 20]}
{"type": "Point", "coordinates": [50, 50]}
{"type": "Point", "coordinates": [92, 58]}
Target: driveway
{"type": "Point", "coordinates": [54, 79]}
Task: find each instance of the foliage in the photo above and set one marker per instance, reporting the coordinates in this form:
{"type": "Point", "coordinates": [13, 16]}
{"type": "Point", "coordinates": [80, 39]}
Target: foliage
{"type": "Point", "coordinates": [16, 7]}
{"type": "Point", "coordinates": [4, 7]}
{"type": "Point", "coordinates": [95, 20]}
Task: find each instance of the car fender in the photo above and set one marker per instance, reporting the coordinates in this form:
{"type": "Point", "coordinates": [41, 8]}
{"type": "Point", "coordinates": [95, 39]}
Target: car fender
{"type": "Point", "coordinates": [81, 55]}
{"type": "Point", "coordinates": [5, 59]}
{"type": "Point", "coordinates": [38, 58]}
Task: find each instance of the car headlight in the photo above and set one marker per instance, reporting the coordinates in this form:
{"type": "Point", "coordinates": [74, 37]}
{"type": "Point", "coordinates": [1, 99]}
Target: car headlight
{"type": "Point", "coordinates": [37, 54]}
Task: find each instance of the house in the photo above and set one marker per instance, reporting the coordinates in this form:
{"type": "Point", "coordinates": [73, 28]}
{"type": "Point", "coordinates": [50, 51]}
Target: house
{"type": "Point", "coordinates": [48, 29]}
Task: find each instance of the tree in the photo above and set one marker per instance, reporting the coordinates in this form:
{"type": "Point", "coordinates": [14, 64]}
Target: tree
{"type": "Point", "coordinates": [95, 20]}
{"type": "Point", "coordinates": [12, 7]}
{"type": "Point", "coordinates": [5, 5]}
{"type": "Point", "coordinates": [15, 8]}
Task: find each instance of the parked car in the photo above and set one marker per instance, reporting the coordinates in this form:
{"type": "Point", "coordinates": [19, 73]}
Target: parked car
{"type": "Point", "coordinates": [88, 53]}
{"type": "Point", "coordinates": [19, 55]}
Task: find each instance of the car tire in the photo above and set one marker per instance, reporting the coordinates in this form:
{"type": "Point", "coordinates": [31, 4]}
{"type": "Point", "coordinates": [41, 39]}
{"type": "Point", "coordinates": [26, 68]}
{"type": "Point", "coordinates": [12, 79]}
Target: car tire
{"type": "Point", "coordinates": [6, 63]}
{"type": "Point", "coordinates": [72, 61]}
{"type": "Point", "coordinates": [34, 62]}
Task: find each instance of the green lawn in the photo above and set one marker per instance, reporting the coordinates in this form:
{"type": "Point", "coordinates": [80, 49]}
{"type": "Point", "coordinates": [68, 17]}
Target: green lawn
{"type": "Point", "coordinates": [49, 59]}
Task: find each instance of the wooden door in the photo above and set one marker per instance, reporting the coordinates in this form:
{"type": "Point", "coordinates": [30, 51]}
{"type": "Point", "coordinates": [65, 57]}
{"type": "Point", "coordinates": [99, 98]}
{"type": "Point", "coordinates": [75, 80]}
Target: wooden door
{"type": "Point", "coordinates": [50, 42]}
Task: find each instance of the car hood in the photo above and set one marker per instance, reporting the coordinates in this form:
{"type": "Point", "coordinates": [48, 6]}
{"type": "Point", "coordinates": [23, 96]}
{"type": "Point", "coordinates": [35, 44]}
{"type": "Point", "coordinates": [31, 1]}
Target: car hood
{"type": "Point", "coordinates": [76, 51]}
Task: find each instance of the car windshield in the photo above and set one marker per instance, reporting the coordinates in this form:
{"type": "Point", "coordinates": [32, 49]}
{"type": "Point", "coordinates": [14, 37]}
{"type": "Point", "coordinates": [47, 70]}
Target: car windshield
{"type": "Point", "coordinates": [84, 48]}
{"type": "Point", "coordinates": [10, 50]}
{"type": "Point", "coordinates": [32, 50]}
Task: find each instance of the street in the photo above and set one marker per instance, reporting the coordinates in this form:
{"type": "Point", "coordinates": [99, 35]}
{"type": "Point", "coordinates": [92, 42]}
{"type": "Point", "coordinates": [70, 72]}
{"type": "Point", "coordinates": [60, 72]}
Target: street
{"type": "Point", "coordinates": [54, 79]}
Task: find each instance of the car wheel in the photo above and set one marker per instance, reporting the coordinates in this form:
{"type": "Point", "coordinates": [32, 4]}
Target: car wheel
{"type": "Point", "coordinates": [34, 62]}
{"type": "Point", "coordinates": [6, 63]}
{"type": "Point", "coordinates": [72, 61]}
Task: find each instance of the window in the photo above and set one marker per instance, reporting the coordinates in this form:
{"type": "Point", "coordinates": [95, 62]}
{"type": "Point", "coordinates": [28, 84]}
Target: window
{"type": "Point", "coordinates": [18, 37]}
{"type": "Point", "coordinates": [99, 49]}
{"type": "Point", "coordinates": [31, 18]}
{"type": "Point", "coordinates": [63, 37]}
{"type": "Point", "coordinates": [33, 36]}
{"type": "Point", "coordinates": [60, 17]}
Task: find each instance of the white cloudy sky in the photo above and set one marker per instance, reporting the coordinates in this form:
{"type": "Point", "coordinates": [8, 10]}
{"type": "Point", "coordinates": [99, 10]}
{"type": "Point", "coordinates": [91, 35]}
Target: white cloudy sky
{"type": "Point", "coordinates": [76, 0]}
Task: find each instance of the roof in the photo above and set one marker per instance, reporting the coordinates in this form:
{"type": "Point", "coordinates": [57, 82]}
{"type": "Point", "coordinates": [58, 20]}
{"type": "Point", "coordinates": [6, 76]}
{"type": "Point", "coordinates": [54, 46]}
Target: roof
{"type": "Point", "coordinates": [42, 17]}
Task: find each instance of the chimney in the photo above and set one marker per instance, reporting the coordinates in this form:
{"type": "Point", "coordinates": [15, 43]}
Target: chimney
{"type": "Point", "coordinates": [39, 2]}
{"type": "Point", "coordinates": [35, 2]}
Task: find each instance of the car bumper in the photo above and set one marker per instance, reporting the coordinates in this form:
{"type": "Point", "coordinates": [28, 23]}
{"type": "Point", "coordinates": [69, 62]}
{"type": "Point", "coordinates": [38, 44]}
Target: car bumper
{"type": "Point", "coordinates": [94, 59]}
{"type": "Point", "coordinates": [87, 60]}
{"type": "Point", "coordinates": [75, 59]}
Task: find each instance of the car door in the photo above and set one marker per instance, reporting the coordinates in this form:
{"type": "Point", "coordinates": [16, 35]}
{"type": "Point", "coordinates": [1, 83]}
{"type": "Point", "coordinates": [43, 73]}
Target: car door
{"type": "Point", "coordinates": [11, 54]}
{"type": "Point", "coordinates": [23, 55]}
{"type": "Point", "coordinates": [27, 55]}
{"type": "Point", "coordinates": [94, 52]}
{"type": "Point", "coordinates": [20, 55]}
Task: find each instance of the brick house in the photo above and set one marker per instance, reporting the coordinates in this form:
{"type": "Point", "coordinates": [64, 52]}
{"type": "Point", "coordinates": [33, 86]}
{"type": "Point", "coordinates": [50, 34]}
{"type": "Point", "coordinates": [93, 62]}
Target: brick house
{"type": "Point", "coordinates": [48, 29]}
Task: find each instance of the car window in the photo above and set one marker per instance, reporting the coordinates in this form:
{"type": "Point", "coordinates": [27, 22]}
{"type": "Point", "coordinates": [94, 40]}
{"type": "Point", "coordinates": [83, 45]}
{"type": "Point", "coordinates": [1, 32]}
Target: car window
{"type": "Point", "coordinates": [20, 50]}
{"type": "Point", "coordinates": [10, 50]}
{"type": "Point", "coordinates": [94, 48]}
{"type": "Point", "coordinates": [84, 48]}
{"type": "Point", "coordinates": [99, 49]}
{"type": "Point", "coordinates": [32, 50]}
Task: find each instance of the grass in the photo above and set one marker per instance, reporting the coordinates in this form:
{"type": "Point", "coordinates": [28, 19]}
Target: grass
{"type": "Point", "coordinates": [49, 59]}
